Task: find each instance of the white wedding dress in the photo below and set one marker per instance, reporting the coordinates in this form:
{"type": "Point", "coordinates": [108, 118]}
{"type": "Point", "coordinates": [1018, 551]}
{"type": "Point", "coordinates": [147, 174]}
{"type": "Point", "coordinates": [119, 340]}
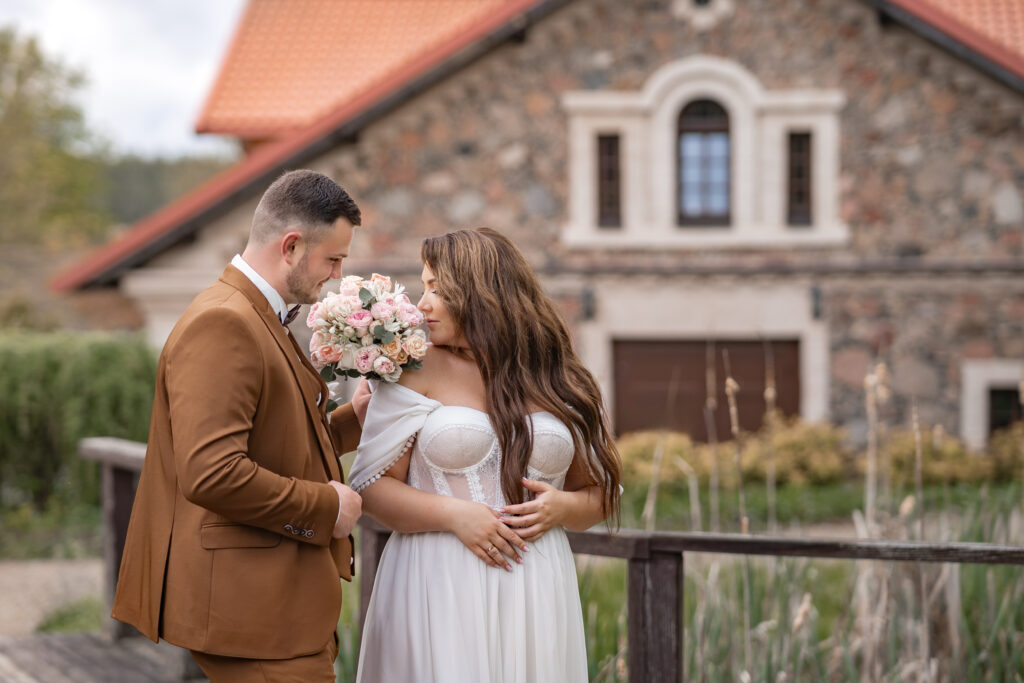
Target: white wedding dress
{"type": "Point", "coordinates": [438, 613]}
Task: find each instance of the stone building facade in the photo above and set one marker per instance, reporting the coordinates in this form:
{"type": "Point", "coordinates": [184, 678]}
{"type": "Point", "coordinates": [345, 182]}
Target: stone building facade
{"type": "Point", "coordinates": [913, 253]}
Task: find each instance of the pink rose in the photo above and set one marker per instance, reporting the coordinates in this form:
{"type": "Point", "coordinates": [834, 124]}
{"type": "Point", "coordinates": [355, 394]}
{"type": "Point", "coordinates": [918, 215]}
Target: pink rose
{"type": "Point", "coordinates": [410, 315]}
{"type": "Point", "coordinates": [317, 340]}
{"type": "Point", "coordinates": [360, 320]}
{"type": "Point", "coordinates": [387, 369]}
{"type": "Point", "coordinates": [365, 358]}
{"type": "Point", "coordinates": [315, 312]}
{"type": "Point", "coordinates": [382, 310]}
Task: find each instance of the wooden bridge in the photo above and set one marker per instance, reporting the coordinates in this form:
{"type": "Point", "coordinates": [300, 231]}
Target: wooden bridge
{"type": "Point", "coordinates": [654, 592]}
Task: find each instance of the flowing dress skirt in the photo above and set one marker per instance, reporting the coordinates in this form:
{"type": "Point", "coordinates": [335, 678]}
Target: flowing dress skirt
{"type": "Point", "coordinates": [438, 613]}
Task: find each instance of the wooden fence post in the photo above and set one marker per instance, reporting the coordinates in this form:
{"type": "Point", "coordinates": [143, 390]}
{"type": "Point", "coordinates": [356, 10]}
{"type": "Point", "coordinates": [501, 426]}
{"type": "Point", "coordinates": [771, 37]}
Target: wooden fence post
{"type": "Point", "coordinates": [655, 609]}
{"type": "Point", "coordinates": [118, 495]}
{"type": "Point", "coordinates": [372, 538]}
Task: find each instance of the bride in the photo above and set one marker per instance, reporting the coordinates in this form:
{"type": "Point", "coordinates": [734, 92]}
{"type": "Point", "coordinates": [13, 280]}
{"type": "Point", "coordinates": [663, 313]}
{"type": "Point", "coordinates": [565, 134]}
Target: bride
{"type": "Point", "coordinates": [478, 462]}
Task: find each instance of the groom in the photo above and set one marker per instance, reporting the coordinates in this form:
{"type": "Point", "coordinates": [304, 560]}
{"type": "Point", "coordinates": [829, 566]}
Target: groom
{"type": "Point", "coordinates": [240, 527]}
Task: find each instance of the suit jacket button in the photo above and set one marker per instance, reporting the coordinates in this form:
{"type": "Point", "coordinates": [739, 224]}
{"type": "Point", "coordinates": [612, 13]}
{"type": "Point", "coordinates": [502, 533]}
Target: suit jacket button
{"type": "Point", "coordinates": [289, 528]}
{"type": "Point", "coordinates": [309, 533]}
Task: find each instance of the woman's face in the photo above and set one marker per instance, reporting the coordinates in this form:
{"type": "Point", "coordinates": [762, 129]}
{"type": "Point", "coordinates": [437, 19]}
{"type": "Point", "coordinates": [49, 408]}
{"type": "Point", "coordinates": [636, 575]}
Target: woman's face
{"type": "Point", "coordinates": [443, 330]}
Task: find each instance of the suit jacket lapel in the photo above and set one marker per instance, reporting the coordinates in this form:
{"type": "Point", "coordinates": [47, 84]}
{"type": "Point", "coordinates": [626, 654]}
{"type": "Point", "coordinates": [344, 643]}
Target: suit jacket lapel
{"type": "Point", "coordinates": [296, 361]}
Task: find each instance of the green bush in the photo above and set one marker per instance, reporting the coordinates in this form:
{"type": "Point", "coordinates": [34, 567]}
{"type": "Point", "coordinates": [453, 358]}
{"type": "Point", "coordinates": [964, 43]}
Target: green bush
{"type": "Point", "coordinates": [56, 388]}
{"type": "Point", "coordinates": [804, 454]}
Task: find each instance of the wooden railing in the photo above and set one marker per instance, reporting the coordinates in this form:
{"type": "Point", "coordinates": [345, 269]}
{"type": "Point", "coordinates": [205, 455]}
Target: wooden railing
{"type": "Point", "coordinates": [655, 560]}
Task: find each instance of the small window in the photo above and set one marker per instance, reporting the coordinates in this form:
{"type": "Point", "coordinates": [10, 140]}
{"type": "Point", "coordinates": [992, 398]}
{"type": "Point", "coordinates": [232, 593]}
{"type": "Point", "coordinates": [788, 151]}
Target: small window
{"type": "Point", "coordinates": [704, 166]}
{"type": "Point", "coordinates": [609, 182]}
{"type": "Point", "coordinates": [799, 205]}
{"type": "Point", "coordinates": [1004, 408]}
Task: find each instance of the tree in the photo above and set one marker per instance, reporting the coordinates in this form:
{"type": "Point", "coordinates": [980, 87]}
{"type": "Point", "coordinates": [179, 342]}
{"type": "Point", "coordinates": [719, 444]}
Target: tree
{"type": "Point", "coordinates": [52, 189]}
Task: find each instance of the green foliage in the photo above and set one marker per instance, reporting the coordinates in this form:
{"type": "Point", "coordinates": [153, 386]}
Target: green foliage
{"type": "Point", "coordinates": [139, 185]}
{"type": "Point", "coordinates": [804, 453]}
{"type": "Point", "coordinates": [85, 615]}
{"type": "Point", "coordinates": [57, 388]}
{"type": "Point", "coordinates": [61, 531]}
{"type": "Point", "coordinates": [51, 189]}
{"type": "Point", "coordinates": [1006, 448]}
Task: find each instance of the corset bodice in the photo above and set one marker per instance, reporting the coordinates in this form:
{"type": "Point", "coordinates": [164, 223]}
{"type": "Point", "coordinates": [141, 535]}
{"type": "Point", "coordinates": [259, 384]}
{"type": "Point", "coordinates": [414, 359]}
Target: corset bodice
{"type": "Point", "coordinates": [457, 454]}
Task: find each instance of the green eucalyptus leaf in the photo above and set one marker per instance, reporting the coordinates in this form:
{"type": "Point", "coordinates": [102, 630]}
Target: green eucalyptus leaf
{"type": "Point", "coordinates": [328, 373]}
{"type": "Point", "coordinates": [366, 296]}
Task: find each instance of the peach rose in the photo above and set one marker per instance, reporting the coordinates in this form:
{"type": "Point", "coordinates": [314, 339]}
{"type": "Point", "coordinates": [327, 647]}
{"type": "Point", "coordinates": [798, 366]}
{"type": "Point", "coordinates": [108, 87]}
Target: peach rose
{"type": "Point", "coordinates": [416, 344]}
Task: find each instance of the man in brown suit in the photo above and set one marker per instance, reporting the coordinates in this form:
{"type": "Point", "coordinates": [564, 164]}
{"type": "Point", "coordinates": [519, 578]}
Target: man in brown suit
{"type": "Point", "coordinates": [241, 523]}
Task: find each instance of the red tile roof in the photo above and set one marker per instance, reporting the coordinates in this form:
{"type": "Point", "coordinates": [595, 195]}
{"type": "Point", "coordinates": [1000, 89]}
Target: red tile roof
{"type": "Point", "coordinates": [992, 28]}
{"type": "Point", "coordinates": [293, 62]}
{"type": "Point", "coordinates": [301, 70]}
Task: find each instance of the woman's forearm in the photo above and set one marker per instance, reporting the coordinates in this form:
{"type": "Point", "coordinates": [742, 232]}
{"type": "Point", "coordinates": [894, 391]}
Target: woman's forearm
{"type": "Point", "coordinates": [407, 509]}
{"type": "Point", "coordinates": [581, 509]}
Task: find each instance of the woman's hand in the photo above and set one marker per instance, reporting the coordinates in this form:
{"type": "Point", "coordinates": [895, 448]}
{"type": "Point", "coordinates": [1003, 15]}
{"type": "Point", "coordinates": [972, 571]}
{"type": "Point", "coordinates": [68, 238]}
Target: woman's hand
{"type": "Point", "coordinates": [480, 530]}
{"type": "Point", "coordinates": [536, 517]}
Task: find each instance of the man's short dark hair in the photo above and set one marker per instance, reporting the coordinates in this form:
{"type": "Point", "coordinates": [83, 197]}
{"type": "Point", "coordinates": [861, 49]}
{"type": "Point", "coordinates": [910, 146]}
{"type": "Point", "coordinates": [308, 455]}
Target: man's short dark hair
{"type": "Point", "coordinates": [305, 199]}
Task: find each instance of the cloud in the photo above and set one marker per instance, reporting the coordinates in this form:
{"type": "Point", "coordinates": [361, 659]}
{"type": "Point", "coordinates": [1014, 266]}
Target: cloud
{"type": "Point", "coordinates": [149, 65]}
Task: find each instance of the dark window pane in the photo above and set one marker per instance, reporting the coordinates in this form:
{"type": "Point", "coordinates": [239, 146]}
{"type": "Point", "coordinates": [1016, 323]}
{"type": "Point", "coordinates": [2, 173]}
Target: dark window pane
{"type": "Point", "coordinates": [609, 200]}
{"type": "Point", "coordinates": [799, 194]}
{"type": "Point", "coordinates": [1004, 408]}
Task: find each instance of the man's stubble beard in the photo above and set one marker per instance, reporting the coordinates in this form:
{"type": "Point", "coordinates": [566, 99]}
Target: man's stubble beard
{"type": "Point", "coordinates": [301, 289]}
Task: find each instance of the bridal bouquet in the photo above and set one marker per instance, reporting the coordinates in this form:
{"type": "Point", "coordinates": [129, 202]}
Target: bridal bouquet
{"type": "Point", "coordinates": [368, 329]}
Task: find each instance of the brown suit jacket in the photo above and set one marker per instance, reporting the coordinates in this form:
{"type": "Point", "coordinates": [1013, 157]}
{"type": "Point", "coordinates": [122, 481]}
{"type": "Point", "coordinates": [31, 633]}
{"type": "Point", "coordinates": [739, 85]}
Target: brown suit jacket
{"type": "Point", "coordinates": [229, 548]}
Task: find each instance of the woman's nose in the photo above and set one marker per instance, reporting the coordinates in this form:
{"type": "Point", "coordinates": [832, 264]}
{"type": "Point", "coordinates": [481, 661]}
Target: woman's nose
{"type": "Point", "coordinates": [422, 304]}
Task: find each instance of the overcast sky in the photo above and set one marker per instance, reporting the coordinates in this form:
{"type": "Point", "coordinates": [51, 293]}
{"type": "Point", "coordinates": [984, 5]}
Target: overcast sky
{"type": "Point", "coordinates": [149, 63]}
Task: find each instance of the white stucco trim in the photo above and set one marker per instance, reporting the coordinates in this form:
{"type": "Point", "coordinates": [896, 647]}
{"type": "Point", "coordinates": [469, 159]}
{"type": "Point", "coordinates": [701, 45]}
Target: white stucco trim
{"type": "Point", "coordinates": [760, 122]}
{"type": "Point", "coordinates": [163, 294]}
{"type": "Point", "coordinates": [977, 377]}
{"type": "Point", "coordinates": [649, 309]}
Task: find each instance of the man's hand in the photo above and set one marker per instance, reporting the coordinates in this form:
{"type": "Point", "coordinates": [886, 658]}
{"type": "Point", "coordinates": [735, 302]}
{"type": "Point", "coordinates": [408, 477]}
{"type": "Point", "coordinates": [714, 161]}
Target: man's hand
{"type": "Point", "coordinates": [361, 399]}
{"type": "Point", "coordinates": [350, 506]}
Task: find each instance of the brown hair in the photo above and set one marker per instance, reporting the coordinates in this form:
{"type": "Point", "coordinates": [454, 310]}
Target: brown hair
{"type": "Point", "coordinates": [304, 199]}
{"type": "Point", "coordinates": [525, 355]}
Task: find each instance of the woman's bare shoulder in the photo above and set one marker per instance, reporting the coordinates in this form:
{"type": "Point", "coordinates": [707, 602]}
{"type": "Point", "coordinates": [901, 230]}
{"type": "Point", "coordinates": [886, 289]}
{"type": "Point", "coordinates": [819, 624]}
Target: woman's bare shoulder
{"type": "Point", "coordinates": [436, 363]}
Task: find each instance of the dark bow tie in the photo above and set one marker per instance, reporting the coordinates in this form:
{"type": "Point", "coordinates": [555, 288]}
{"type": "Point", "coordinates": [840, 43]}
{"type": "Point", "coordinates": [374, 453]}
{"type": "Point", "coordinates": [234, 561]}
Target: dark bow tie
{"type": "Point", "coordinates": [292, 314]}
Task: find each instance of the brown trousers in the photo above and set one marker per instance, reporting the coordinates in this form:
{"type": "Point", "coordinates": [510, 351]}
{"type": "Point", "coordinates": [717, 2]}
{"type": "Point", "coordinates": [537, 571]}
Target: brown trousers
{"type": "Point", "coordinates": [314, 668]}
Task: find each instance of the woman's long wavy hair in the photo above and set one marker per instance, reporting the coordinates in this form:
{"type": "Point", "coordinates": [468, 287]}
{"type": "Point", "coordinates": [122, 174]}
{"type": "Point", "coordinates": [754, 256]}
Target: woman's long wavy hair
{"type": "Point", "coordinates": [525, 355]}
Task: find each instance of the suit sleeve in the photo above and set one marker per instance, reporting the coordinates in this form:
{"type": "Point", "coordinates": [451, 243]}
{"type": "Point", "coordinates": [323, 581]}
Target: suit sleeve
{"type": "Point", "coordinates": [345, 429]}
{"type": "Point", "coordinates": [214, 378]}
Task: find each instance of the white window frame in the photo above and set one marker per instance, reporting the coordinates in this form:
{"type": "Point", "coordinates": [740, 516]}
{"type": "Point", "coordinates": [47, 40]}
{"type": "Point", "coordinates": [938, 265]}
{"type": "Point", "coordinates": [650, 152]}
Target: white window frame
{"type": "Point", "coordinates": [759, 123]}
{"type": "Point", "coordinates": [978, 376]}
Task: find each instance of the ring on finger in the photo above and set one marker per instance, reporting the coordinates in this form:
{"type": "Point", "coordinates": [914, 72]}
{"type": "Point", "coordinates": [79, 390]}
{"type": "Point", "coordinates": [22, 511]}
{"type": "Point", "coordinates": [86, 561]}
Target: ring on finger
{"type": "Point", "coordinates": [491, 549]}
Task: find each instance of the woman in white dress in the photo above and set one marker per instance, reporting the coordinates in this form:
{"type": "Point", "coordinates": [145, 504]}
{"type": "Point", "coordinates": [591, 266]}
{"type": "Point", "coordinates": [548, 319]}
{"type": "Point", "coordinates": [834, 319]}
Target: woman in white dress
{"type": "Point", "coordinates": [479, 461]}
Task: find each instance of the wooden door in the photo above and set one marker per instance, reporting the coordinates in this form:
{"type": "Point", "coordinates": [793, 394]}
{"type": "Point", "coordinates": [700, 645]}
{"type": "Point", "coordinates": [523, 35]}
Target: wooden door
{"type": "Point", "coordinates": [662, 384]}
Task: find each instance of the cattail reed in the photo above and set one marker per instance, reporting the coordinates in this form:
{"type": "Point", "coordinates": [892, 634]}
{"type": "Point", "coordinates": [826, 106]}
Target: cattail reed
{"type": "Point", "coordinates": [710, 406]}
{"type": "Point", "coordinates": [871, 472]}
{"type": "Point", "coordinates": [770, 419]}
{"type": "Point", "coordinates": [922, 590]}
{"type": "Point", "coordinates": [693, 483]}
{"type": "Point", "coordinates": [731, 389]}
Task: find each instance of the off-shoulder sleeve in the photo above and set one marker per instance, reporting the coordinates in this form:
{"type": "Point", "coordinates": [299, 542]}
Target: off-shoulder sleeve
{"type": "Point", "coordinates": [393, 418]}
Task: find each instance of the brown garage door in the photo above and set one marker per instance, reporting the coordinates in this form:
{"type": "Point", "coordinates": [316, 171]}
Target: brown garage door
{"type": "Point", "coordinates": [661, 384]}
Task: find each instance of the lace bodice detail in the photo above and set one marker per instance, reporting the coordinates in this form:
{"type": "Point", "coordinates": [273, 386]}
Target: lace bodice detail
{"type": "Point", "coordinates": [457, 454]}
{"type": "Point", "coordinates": [456, 451]}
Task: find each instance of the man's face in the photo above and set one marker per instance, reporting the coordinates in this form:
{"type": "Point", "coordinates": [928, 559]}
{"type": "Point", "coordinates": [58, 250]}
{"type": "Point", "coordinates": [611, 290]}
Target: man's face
{"type": "Point", "coordinates": [318, 264]}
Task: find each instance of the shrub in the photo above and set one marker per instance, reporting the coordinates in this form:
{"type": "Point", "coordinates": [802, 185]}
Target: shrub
{"type": "Point", "coordinates": [805, 453]}
{"type": "Point", "coordinates": [56, 388]}
{"type": "Point", "coordinates": [943, 460]}
{"type": "Point", "coordinates": [1005, 448]}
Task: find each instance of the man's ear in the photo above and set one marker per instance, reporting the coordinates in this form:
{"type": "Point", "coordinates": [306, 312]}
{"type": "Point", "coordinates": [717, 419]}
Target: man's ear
{"type": "Point", "coordinates": [292, 247]}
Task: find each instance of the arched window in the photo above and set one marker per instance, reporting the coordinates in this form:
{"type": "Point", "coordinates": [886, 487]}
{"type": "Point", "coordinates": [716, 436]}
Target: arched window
{"type": "Point", "coordinates": [703, 163]}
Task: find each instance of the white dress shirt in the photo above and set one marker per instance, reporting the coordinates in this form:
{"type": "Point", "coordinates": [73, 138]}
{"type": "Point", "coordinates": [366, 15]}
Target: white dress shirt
{"type": "Point", "coordinates": [277, 301]}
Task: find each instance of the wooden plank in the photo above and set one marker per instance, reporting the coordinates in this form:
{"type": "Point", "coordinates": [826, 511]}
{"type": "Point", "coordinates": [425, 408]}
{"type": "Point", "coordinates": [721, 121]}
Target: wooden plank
{"type": "Point", "coordinates": [739, 544]}
{"type": "Point", "coordinates": [122, 453]}
{"type": "Point", "coordinates": [655, 613]}
{"type": "Point", "coordinates": [624, 544]}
